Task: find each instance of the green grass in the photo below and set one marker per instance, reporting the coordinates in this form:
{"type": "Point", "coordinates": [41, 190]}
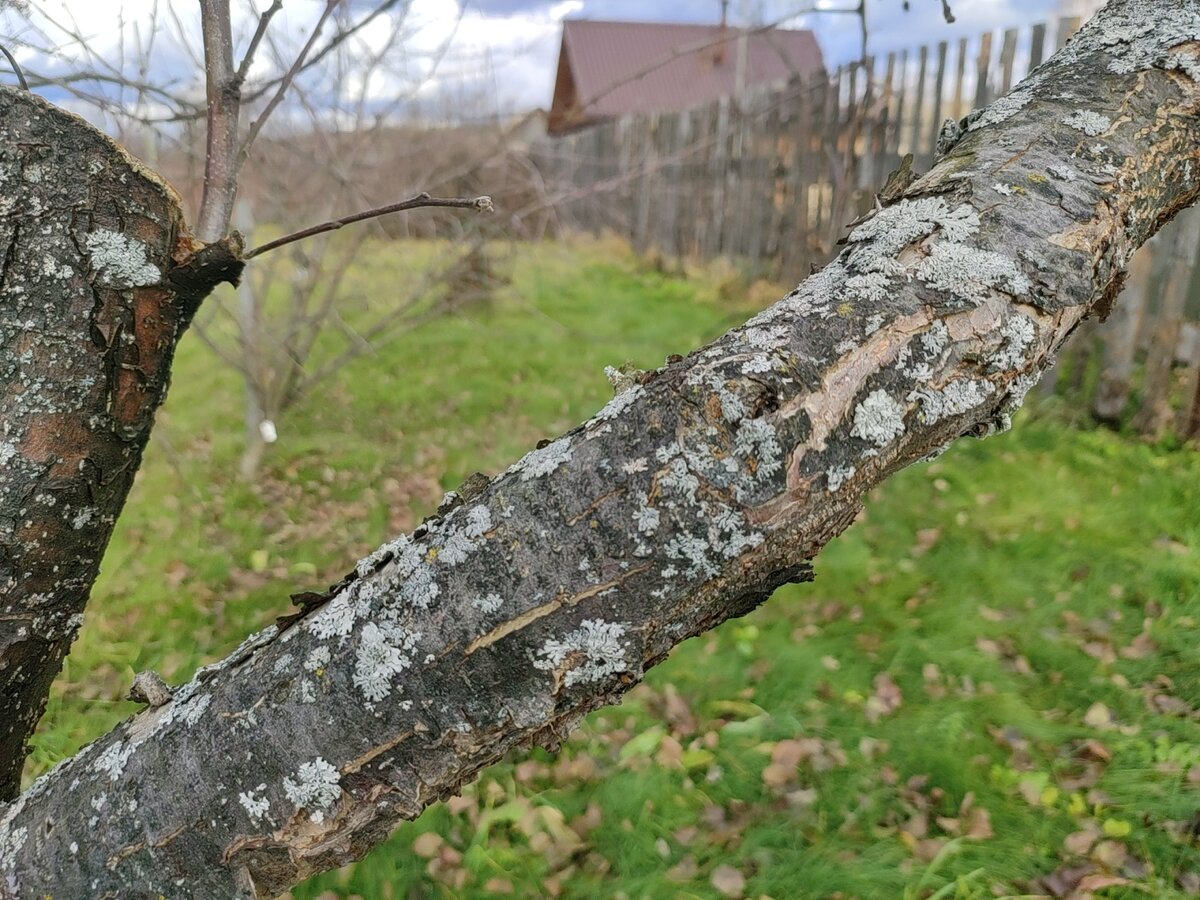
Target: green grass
{"type": "Point", "coordinates": [1027, 595]}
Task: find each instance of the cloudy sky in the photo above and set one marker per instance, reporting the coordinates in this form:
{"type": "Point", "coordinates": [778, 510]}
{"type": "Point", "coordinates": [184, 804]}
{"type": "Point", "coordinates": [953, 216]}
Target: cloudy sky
{"type": "Point", "coordinates": [495, 55]}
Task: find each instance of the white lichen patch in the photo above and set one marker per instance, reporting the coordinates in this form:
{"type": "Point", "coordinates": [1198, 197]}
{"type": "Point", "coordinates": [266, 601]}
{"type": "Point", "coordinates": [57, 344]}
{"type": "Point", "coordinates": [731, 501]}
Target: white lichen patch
{"type": "Point", "coordinates": [318, 658]}
{"type": "Point", "coordinates": [488, 603]}
{"type": "Point", "coordinates": [1002, 109]}
{"type": "Point", "coordinates": [619, 403]}
{"type": "Point", "coordinates": [479, 522]}
{"type": "Point", "coordinates": [895, 227]}
{"type": "Point", "coordinates": [334, 619]}
{"type": "Point", "coordinates": [728, 532]}
{"type": "Point", "coordinates": [646, 518]}
{"type": "Point", "coordinates": [383, 653]}
{"type": "Point", "coordinates": [420, 589]}
{"type": "Point", "coordinates": [966, 272]}
{"type": "Point", "coordinates": [256, 807]}
{"type": "Point", "coordinates": [694, 551]}
{"type": "Point", "coordinates": [1188, 63]}
{"type": "Point", "coordinates": [678, 480]}
{"type": "Point", "coordinates": [191, 711]}
{"type": "Point", "coordinates": [1088, 121]}
{"type": "Point", "coordinates": [544, 460]}
{"type": "Point", "coordinates": [112, 761]}
{"type": "Point", "coordinates": [869, 288]}
{"type": "Point", "coordinates": [878, 419]}
{"type": "Point", "coordinates": [11, 841]}
{"type": "Point", "coordinates": [1017, 391]}
{"type": "Point", "coordinates": [593, 652]}
{"type": "Point", "coordinates": [954, 399]}
{"type": "Point", "coordinates": [757, 365]}
{"type": "Point", "coordinates": [635, 465]}
{"type": "Point", "coordinates": [315, 787]}
{"type": "Point", "coordinates": [837, 476]}
{"type": "Point", "coordinates": [935, 340]}
{"type": "Point", "coordinates": [1063, 172]}
{"type": "Point", "coordinates": [1002, 189]}
{"type": "Point", "coordinates": [1017, 334]}
{"type": "Point", "coordinates": [119, 261]}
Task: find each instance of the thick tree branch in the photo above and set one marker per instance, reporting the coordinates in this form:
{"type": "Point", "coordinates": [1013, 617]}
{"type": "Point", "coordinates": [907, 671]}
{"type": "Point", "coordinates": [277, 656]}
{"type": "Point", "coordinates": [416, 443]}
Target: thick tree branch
{"type": "Point", "coordinates": [683, 502]}
{"type": "Point", "coordinates": [224, 93]}
{"type": "Point", "coordinates": [93, 300]}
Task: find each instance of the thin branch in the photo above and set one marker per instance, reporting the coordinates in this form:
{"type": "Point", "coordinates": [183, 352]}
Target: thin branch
{"type": "Point", "coordinates": [286, 81]}
{"type": "Point", "coordinates": [947, 13]}
{"type": "Point", "coordinates": [337, 39]}
{"type": "Point", "coordinates": [12, 61]}
{"type": "Point", "coordinates": [244, 67]}
{"type": "Point", "coordinates": [480, 204]}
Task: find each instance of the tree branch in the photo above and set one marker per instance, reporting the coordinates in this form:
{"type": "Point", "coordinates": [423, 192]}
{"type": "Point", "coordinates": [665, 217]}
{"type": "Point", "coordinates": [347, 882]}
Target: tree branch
{"type": "Point", "coordinates": [685, 501]}
{"type": "Point", "coordinates": [248, 59]}
{"type": "Point", "coordinates": [12, 61]}
{"type": "Point", "coordinates": [221, 160]}
{"type": "Point", "coordinates": [285, 82]}
{"type": "Point", "coordinates": [479, 204]}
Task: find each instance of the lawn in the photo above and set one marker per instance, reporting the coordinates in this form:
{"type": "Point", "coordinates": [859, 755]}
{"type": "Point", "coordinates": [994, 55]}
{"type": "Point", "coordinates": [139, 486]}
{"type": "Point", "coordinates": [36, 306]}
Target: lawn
{"type": "Point", "coordinates": [991, 689]}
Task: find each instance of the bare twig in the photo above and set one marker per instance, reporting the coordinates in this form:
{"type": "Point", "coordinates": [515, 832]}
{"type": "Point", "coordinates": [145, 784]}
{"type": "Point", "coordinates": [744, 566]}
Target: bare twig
{"type": "Point", "coordinates": [286, 81]}
{"type": "Point", "coordinates": [946, 12]}
{"type": "Point", "coordinates": [480, 204]}
{"type": "Point", "coordinates": [12, 61]}
{"type": "Point", "coordinates": [224, 103]}
{"type": "Point", "coordinates": [248, 59]}
{"type": "Point", "coordinates": [336, 40]}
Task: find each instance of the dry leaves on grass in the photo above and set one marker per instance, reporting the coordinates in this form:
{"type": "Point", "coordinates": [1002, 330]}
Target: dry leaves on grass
{"type": "Point", "coordinates": [728, 881]}
{"type": "Point", "coordinates": [885, 700]}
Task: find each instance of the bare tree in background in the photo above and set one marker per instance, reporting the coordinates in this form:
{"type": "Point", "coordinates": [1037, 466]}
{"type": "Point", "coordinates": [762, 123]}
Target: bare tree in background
{"type": "Point", "coordinates": [332, 106]}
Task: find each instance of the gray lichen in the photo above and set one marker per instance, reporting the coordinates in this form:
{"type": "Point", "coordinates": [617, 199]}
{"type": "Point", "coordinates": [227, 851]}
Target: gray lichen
{"type": "Point", "coordinates": [119, 261]}
{"type": "Point", "coordinates": [384, 651]}
{"type": "Point", "coordinates": [955, 398]}
{"type": "Point", "coordinates": [593, 651]}
{"type": "Point", "coordinates": [878, 419]}
{"type": "Point", "coordinates": [963, 271]}
{"type": "Point", "coordinates": [315, 787]}
{"type": "Point", "coordinates": [1088, 121]}
{"type": "Point", "coordinates": [545, 460]}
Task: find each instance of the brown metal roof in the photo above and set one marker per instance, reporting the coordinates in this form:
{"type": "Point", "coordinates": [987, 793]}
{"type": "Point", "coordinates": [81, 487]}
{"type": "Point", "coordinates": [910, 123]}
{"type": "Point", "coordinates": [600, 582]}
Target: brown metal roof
{"type": "Point", "coordinates": [609, 69]}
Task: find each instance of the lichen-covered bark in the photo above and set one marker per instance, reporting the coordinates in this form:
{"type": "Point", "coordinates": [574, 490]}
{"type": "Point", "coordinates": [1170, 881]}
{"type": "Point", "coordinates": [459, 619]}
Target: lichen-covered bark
{"type": "Point", "coordinates": [91, 306]}
{"type": "Point", "coordinates": [685, 501]}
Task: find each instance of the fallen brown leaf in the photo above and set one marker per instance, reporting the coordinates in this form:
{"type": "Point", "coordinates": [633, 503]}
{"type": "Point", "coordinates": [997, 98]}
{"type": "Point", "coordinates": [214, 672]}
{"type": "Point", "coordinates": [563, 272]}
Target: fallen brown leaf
{"type": "Point", "coordinates": [728, 881]}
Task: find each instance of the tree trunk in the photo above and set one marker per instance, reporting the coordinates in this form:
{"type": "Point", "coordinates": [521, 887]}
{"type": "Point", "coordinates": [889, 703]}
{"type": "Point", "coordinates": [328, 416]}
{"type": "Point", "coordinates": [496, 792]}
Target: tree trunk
{"type": "Point", "coordinates": [92, 303]}
{"type": "Point", "coordinates": [685, 501]}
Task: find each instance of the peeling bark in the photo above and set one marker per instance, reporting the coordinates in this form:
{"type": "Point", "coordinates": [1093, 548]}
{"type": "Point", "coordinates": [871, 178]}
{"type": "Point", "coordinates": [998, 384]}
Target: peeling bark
{"type": "Point", "coordinates": [92, 303]}
{"type": "Point", "coordinates": [682, 503]}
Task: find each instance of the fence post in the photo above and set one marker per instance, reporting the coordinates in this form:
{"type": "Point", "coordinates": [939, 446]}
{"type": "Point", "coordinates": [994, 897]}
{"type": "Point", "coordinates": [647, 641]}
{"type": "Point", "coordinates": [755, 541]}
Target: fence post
{"type": "Point", "coordinates": [1120, 340]}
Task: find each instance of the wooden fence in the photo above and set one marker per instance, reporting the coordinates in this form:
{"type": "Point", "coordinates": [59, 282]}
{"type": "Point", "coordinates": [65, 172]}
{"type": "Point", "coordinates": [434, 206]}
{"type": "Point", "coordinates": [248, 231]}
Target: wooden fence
{"type": "Point", "coordinates": [770, 178]}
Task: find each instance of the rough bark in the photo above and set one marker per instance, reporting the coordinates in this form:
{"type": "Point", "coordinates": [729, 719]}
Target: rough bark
{"type": "Point", "coordinates": [685, 501]}
{"type": "Point", "coordinates": [92, 302]}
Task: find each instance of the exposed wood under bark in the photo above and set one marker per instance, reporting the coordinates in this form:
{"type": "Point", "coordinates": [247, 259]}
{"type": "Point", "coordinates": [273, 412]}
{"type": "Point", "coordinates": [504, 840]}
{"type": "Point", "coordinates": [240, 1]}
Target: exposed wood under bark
{"type": "Point", "coordinates": [684, 502]}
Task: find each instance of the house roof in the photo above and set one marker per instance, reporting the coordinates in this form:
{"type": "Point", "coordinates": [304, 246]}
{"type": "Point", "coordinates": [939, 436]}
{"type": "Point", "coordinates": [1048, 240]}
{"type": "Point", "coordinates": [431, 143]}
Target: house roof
{"type": "Point", "coordinates": [608, 69]}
